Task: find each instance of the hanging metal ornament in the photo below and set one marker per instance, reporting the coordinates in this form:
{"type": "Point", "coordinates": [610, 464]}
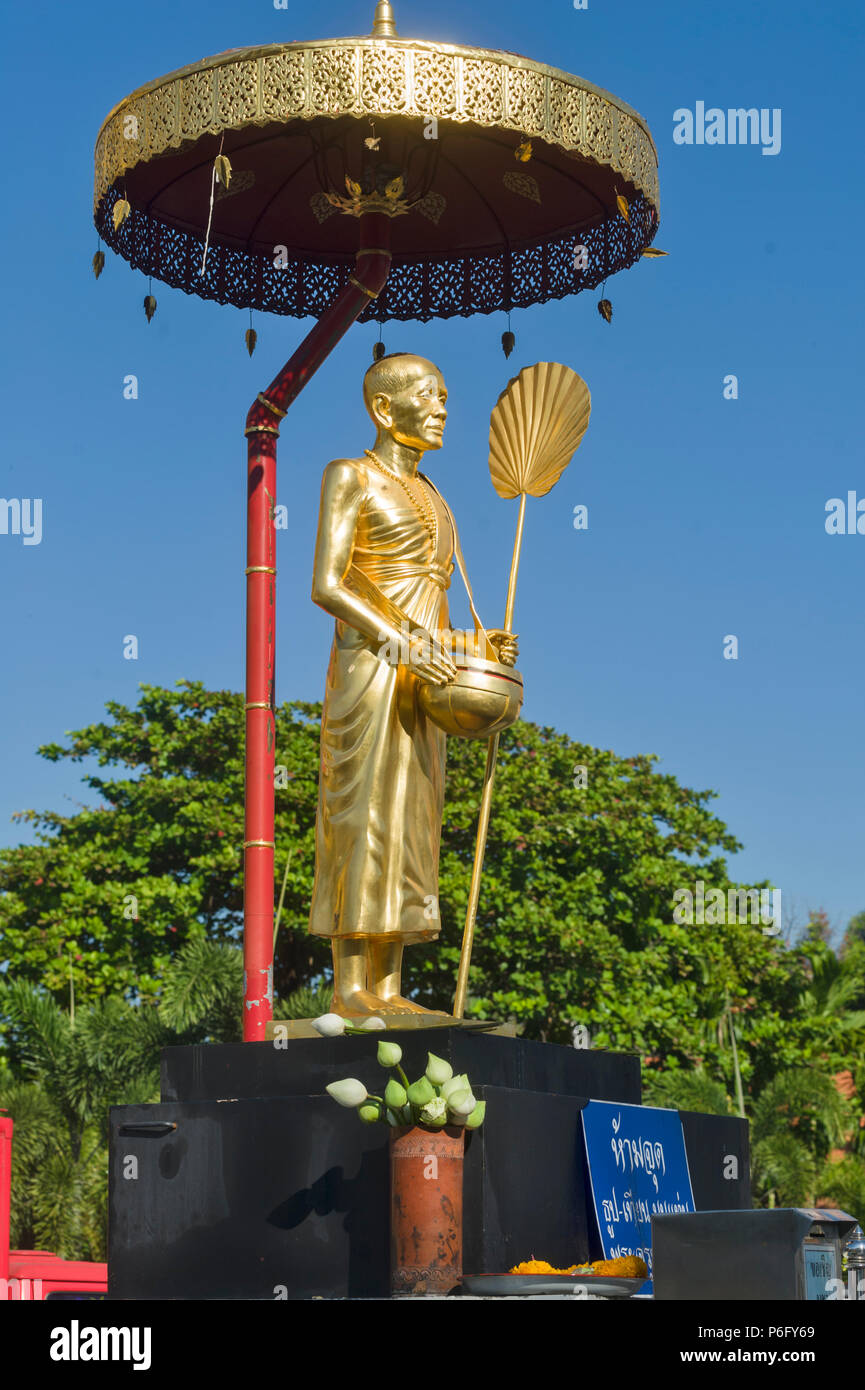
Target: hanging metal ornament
{"type": "Point", "coordinates": [605, 308]}
{"type": "Point", "coordinates": [98, 262]}
{"type": "Point", "coordinates": [508, 339]}
{"type": "Point", "coordinates": [251, 336]}
{"type": "Point", "coordinates": [149, 302]}
{"type": "Point", "coordinates": [378, 350]}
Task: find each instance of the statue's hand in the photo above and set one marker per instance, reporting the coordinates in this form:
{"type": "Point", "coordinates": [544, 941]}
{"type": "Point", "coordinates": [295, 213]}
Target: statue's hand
{"type": "Point", "coordinates": [428, 659]}
{"type": "Point", "coordinates": [506, 644]}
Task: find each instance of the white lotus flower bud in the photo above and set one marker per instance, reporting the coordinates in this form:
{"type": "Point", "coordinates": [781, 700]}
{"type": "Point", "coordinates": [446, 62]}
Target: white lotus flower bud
{"type": "Point", "coordinates": [476, 1118]}
{"type": "Point", "coordinates": [455, 1083]}
{"type": "Point", "coordinates": [394, 1095]}
{"type": "Point", "coordinates": [349, 1092]}
{"type": "Point", "coordinates": [372, 1025]}
{"type": "Point", "coordinates": [329, 1025]}
{"type": "Point", "coordinates": [461, 1103]}
{"type": "Point", "coordinates": [438, 1070]}
{"type": "Point", "coordinates": [421, 1092]}
{"type": "Point", "coordinates": [389, 1054]}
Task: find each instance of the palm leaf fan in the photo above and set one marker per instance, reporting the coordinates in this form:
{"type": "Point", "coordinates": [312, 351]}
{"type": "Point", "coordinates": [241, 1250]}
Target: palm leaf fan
{"type": "Point", "coordinates": [536, 427]}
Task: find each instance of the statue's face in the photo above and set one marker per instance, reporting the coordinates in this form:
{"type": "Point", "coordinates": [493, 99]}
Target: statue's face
{"type": "Point", "coordinates": [416, 414]}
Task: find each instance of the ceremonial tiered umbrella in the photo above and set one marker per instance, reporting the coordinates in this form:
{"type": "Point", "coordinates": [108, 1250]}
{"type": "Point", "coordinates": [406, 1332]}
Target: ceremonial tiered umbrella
{"type": "Point", "coordinates": [361, 178]}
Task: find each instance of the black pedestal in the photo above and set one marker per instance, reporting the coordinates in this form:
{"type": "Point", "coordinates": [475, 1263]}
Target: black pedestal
{"type": "Point", "coordinates": [267, 1189]}
{"type": "Point", "coordinates": [304, 1066]}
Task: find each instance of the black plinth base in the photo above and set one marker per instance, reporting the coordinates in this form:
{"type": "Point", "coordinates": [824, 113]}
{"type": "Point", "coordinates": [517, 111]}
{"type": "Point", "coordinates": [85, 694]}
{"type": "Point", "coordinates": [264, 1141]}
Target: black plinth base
{"type": "Point", "coordinates": [304, 1066]}
{"type": "Point", "coordinates": [260, 1192]}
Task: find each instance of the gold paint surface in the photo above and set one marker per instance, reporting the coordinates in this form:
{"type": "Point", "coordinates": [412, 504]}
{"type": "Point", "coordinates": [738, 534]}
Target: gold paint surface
{"type": "Point", "coordinates": [384, 555]}
{"type": "Point", "coordinates": [375, 77]}
{"type": "Point", "coordinates": [279, 1030]}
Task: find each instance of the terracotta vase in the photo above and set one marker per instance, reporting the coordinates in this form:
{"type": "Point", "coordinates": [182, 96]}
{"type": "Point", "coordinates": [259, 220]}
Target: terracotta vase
{"type": "Point", "coordinates": [426, 1209]}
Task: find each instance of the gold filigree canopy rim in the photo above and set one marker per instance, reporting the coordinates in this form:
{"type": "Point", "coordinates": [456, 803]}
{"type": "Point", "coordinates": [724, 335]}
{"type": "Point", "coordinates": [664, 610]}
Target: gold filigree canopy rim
{"type": "Point", "coordinates": [448, 51]}
{"type": "Point", "coordinates": [478, 231]}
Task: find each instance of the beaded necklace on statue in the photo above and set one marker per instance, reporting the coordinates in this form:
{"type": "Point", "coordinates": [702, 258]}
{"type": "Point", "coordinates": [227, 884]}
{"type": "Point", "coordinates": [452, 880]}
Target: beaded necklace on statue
{"type": "Point", "coordinates": [419, 499]}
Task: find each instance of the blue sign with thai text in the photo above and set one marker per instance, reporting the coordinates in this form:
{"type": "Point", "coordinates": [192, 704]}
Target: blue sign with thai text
{"type": "Point", "coordinates": [638, 1169]}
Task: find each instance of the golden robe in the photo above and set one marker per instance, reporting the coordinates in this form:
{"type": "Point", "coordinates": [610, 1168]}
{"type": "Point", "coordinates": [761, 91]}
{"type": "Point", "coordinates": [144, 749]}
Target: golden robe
{"type": "Point", "coordinates": [381, 783]}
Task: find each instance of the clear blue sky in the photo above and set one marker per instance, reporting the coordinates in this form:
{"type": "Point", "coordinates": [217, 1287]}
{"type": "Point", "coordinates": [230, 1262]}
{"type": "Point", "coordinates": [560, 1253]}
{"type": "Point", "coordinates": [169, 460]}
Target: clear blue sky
{"type": "Point", "coordinates": [706, 516]}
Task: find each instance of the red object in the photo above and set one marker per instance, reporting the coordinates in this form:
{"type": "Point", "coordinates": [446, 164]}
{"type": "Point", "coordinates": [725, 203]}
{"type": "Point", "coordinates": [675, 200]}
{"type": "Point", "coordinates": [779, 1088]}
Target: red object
{"type": "Point", "coordinates": [5, 1189]}
{"type": "Point", "coordinates": [34, 1275]}
{"type": "Point", "coordinates": [262, 430]}
{"type": "Point", "coordinates": [426, 1220]}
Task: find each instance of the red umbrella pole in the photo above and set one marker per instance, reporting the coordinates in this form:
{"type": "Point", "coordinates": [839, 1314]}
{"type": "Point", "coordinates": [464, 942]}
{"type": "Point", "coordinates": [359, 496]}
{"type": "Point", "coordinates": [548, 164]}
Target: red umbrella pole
{"type": "Point", "coordinates": [262, 430]}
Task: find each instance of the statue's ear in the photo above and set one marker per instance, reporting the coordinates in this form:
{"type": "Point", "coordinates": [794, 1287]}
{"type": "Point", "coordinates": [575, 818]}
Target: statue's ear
{"type": "Point", "coordinates": [381, 408]}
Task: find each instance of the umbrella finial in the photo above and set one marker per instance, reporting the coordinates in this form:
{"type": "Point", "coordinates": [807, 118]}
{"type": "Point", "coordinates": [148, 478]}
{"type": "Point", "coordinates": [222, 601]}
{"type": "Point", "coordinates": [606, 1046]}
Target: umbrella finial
{"type": "Point", "coordinates": [383, 23]}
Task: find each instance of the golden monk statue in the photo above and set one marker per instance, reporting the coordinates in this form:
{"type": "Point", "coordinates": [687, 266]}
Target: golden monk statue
{"type": "Point", "coordinates": [383, 561]}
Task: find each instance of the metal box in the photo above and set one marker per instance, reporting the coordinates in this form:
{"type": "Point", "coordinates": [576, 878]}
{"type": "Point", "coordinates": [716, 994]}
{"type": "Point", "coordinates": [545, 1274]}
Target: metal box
{"type": "Point", "coordinates": [788, 1253]}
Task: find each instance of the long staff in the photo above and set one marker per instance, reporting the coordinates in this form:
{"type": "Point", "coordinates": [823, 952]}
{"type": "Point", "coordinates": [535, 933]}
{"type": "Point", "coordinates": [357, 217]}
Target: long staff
{"type": "Point", "coordinates": [535, 429]}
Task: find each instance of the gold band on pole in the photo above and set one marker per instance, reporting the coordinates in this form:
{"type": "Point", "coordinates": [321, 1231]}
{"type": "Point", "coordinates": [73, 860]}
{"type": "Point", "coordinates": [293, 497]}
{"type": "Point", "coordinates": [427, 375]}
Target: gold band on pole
{"type": "Point", "coordinates": [261, 429]}
{"type": "Point", "coordinates": [260, 569]}
{"type": "Point", "coordinates": [268, 405]}
{"type": "Point", "coordinates": [370, 294]}
{"type": "Point", "coordinates": [258, 704]}
{"type": "Point", "coordinates": [259, 844]}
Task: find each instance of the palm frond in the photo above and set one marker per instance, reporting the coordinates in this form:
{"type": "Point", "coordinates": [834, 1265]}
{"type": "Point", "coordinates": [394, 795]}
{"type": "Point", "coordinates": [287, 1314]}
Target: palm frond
{"type": "Point", "coordinates": [686, 1090]}
{"type": "Point", "coordinates": [203, 991]}
{"type": "Point", "coordinates": [800, 1098]}
{"type": "Point", "coordinates": [783, 1172]}
{"type": "Point", "coordinates": [40, 1030]}
{"type": "Point", "coordinates": [305, 1003]}
{"type": "Point", "coordinates": [844, 1184]}
{"type": "Point", "coordinates": [70, 1200]}
{"type": "Point", "coordinates": [37, 1123]}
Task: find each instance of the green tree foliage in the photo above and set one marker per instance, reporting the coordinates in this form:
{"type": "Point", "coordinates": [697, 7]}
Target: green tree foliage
{"type": "Point", "coordinates": [66, 1069]}
{"type": "Point", "coordinates": [796, 1119]}
{"type": "Point", "coordinates": [109, 894]}
{"type": "Point", "coordinates": [65, 1073]}
{"type": "Point", "coordinates": [686, 1090]}
{"type": "Point", "coordinates": [843, 1184]}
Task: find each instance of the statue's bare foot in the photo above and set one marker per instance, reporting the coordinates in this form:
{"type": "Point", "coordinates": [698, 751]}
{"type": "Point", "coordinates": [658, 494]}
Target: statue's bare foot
{"type": "Point", "coordinates": [362, 1003]}
{"type": "Point", "coordinates": [395, 1003]}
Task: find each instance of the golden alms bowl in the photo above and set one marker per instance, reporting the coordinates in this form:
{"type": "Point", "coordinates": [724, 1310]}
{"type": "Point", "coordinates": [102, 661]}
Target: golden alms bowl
{"type": "Point", "coordinates": [484, 698]}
